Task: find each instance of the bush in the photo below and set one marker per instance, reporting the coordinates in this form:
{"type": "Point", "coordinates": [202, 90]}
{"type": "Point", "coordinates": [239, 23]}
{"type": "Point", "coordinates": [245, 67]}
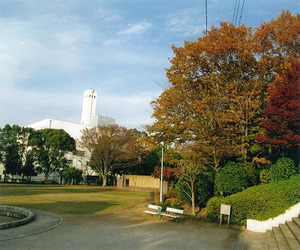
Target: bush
{"type": "Point", "coordinates": [174, 203]}
{"type": "Point", "coordinates": [204, 189]}
{"type": "Point", "coordinates": [72, 175]}
{"type": "Point", "coordinates": [282, 169]}
{"type": "Point", "coordinates": [231, 179]}
{"type": "Point", "coordinates": [265, 176]}
{"type": "Point", "coordinates": [260, 202]}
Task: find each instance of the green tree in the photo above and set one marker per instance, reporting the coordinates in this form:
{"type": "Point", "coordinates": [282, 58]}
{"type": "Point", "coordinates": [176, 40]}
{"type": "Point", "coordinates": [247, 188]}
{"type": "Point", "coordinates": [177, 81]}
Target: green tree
{"type": "Point", "coordinates": [72, 175]}
{"type": "Point", "coordinates": [9, 147]}
{"type": "Point", "coordinates": [50, 148]}
{"type": "Point", "coordinates": [110, 147]}
{"type": "Point", "coordinates": [25, 152]}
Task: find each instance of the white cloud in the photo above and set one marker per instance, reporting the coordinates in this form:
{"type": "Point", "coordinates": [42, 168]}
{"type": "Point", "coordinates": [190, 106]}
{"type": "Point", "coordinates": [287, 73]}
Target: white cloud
{"type": "Point", "coordinates": [136, 28]}
{"type": "Point", "coordinates": [73, 37]}
{"type": "Point", "coordinates": [186, 23]}
{"type": "Point", "coordinates": [132, 111]}
{"type": "Point", "coordinates": [108, 15]}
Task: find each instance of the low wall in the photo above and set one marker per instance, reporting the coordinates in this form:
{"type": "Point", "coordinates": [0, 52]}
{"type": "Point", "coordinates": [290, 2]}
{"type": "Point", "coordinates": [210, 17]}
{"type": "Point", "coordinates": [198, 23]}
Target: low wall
{"type": "Point", "coordinates": [23, 215]}
{"type": "Point", "coordinates": [263, 226]}
{"type": "Point", "coordinates": [141, 181]}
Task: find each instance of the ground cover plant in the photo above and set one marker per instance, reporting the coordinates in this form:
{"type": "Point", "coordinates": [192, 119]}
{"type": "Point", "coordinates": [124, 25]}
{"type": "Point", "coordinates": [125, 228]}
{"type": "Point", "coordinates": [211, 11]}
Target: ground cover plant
{"type": "Point", "coordinates": [72, 200]}
{"type": "Point", "coordinates": [259, 202]}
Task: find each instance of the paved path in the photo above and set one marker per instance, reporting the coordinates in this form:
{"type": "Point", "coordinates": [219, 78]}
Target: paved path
{"type": "Point", "coordinates": [124, 232]}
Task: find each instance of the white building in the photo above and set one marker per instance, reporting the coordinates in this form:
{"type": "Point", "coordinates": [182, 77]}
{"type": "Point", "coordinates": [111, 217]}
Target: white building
{"type": "Point", "coordinates": [89, 119]}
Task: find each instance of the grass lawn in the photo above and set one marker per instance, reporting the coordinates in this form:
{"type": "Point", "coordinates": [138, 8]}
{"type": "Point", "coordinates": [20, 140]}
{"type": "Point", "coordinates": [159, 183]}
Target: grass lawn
{"type": "Point", "coordinates": [73, 200]}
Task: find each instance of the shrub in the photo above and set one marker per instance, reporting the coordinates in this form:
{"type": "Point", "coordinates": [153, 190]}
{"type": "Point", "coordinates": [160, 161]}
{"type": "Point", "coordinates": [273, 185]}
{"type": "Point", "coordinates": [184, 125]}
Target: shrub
{"type": "Point", "coordinates": [204, 189]}
{"type": "Point", "coordinates": [253, 173]}
{"type": "Point", "coordinates": [174, 202]}
{"type": "Point", "coordinates": [282, 169]}
{"type": "Point", "coordinates": [260, 202]}
{"type": "Point", "coordinates": [72, 175]}
{"type": "Point", "coordinates": [231, 179]}
{"type": "Point", "coordinates": [265, 176]}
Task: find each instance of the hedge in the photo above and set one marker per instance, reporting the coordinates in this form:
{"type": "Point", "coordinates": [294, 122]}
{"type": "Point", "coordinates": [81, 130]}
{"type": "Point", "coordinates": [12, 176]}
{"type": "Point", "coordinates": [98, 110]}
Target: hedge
{"type": "Point", "coordinates": [259, 202]}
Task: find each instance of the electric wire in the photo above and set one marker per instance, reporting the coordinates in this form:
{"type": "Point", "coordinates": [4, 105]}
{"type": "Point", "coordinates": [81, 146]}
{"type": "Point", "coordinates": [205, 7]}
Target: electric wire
{"type": "Point", "coordinates": [234, 11]}
{"type": "Point", "coordinates": [205, 15]}
{"type": "Point", "coordinates": [241, 12]}
{"type": "Point", "coordinates": [238, 12]}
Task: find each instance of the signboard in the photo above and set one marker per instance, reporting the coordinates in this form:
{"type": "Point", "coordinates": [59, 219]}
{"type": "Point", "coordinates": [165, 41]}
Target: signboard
{"type": "Point", "coordinates": [225, 209]}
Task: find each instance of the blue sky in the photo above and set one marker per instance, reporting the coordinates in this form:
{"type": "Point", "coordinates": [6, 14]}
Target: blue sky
{"type": "Point", "coordinates": [51, 51]}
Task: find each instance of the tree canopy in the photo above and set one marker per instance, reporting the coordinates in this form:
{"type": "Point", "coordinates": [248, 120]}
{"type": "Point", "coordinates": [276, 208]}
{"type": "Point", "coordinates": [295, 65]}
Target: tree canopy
{"type": "Point", "coordinates": [281, 122]}
{"type": "Point", "coordinates": [217, 88]}
{"type": "Point", "coordinates": [50, 147]}
{"type": "Point", "coordinates": [110, 147]}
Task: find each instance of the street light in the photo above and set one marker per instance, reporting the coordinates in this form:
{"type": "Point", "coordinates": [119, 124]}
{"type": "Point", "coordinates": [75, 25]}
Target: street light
{"type": "Point", "coordinates": [161, 172]}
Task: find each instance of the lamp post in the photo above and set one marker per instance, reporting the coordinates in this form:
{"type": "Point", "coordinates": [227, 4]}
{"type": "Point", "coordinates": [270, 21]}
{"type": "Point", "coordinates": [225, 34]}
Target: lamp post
{"type": "Point", "coordinates": [161, 172]}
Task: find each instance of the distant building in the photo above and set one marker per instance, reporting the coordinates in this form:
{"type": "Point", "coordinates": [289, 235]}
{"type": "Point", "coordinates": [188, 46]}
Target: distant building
{"type": "Point", "coordinates": [89, 119]}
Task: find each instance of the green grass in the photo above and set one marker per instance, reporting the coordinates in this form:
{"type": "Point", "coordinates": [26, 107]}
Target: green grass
{"type": "Point", "coordinates": [73, 200]}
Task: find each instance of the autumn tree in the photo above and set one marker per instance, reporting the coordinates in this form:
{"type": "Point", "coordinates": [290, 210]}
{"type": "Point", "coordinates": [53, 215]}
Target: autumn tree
{"type": "Point", "coordinates": [277, 44]}
{"type": "Point", "coordinates": [50, 148]}
{"type": "Point", "coordinates": [189, 171]}
{"type": "Point", "coordinates": [109, 147]}
{"type": "Point", "coordinates": [218, 85]}
{"type": "Point", "coordinates": [281, 122]}
{"type": "Point", "coordinates": [214, 95]}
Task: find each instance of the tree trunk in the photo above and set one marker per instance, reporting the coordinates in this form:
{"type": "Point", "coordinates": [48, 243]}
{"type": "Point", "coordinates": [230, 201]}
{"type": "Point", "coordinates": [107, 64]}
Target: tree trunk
{"type": "Point", "coordinates": [104, 179]}
{"type": "Point", "coordinates": [193, 199]}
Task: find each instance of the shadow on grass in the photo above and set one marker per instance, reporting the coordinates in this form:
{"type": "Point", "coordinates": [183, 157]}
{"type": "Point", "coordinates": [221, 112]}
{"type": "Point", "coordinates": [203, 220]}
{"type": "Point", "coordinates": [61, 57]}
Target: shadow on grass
{"type": "Point", "coordinates": [71, 208]}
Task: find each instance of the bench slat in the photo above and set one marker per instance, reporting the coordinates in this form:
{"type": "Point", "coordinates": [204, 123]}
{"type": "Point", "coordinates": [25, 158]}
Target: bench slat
{"type": "Point", "coordinates": [170, 215]}
{"type": "Point", "coordinates": [150, 212]}
{"type": "Point", "coordinates": [173, 213]}
{"type": "Point", "coordinates": [153, 209]}
{"type": "Point", "coordinates": [174, 210]}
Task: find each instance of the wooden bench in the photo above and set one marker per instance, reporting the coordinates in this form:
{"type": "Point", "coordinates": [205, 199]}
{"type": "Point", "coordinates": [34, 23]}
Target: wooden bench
{"type": "Point", "coordinates": [173, 213]}
{"type": "Point", "coordinates": [153, 209]}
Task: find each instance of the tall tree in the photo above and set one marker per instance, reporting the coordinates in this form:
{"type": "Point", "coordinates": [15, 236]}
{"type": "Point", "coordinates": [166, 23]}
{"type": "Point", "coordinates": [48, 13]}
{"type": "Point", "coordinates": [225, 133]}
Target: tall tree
{"type": "Point", "coordinates": [189, 171]}
{"type": "Point", "coordinates": [281, 122]}
{"type": "Point", "coordinates": [277, 44]}
{"type": "Point", "coordinates": [50, 148]}
{"type": "Point", "coordinates": [218, 87]}
{"type": "Point", "coordinates": [109, 147]}
{"type": "Point", "coordinates": [9, 147]}
{"type": "Point", "coordinates": [25, 152]}
{"type": "Point", "coordinates": [214, 95]}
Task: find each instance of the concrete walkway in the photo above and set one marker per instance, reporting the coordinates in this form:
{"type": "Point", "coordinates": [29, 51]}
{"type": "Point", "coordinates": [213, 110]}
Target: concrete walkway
{"type": "Point", "coordinates": [124, 232]}
{"type": "Point", "coordinates": [42, 222]}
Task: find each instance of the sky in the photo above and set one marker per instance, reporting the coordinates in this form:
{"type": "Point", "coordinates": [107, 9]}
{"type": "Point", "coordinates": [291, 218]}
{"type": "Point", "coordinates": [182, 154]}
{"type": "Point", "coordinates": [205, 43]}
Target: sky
{"type": "Point", "coordinates": [51, 51]}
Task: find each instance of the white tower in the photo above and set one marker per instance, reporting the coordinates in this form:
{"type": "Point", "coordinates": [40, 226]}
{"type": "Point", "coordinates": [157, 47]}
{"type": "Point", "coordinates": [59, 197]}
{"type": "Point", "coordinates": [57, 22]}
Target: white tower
{"type": "Point", "coordinates": [88, 106]}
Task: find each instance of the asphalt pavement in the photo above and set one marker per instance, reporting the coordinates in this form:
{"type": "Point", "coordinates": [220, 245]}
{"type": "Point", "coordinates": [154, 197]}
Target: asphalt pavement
{"type": "Point", "coordinates": [115, 231]}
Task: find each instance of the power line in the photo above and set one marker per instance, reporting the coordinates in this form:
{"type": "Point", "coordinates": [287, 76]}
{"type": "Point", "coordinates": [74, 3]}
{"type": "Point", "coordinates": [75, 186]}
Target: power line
{"type": "Point", "coordinates": [238, 12]}
{"type": "Point", "coordinates": [234, 10]}
{"type": "Point", "coordinates": [241, 12]}
{"type": "Point", "coordinates": [205, 15]}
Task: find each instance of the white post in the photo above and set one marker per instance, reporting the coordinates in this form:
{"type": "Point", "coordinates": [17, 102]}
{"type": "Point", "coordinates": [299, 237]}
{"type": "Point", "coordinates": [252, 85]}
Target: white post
{"type": "Point", "coordinates": [161, 172]}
